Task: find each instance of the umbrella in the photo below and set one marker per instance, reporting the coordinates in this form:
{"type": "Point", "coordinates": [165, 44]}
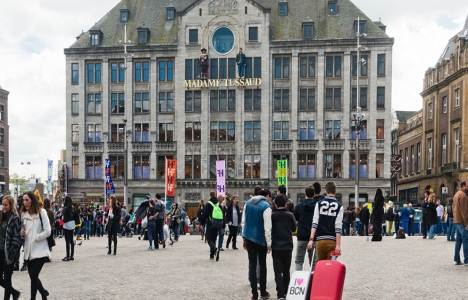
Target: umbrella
{"type": "Point", "coordinates": [141, 211]}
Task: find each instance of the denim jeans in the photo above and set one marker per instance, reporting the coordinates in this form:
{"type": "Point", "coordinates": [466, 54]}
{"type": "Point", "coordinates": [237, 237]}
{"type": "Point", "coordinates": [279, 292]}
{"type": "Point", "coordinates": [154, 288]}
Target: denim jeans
{"type": "Point", "coordinates": [451, 230]}
{"type": "Point", "coordinates": [152, 233]}
{"type": "Point", "coordinates": [357, 225]}
{"type": "Point", "coordinates": [221, 238]}
{"type": "Point", "coordinates": [411, 226]}
{"type": "Point", "coordinates": [346, 228]}
{"type": "Point", "coordinates": [439, 225]}
{"type": "Point", "coordinates": [300, 254]}
{"type": "Point", "coordinates": [432, 231]}
{"type": "Point", "coordinates": [87, 228]}
{"type": "Point", "coordinates": [240, 70]}
{"type": "Point", "coordinates": [462, 239]}
{"type": "Point", "coordinates": [176, 232]}
{"type": "Point", "coordinates": [365, 227]}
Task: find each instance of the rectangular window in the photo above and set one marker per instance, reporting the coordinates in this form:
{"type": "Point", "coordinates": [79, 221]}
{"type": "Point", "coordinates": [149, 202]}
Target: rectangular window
{"type": "Point", "coordinates": [257, 67]}
{"type": "Point", "coordinates": [252, 166]}
{"type": "Point", "coordinates": [141, 103]}
{"type": "Point", "coordinates": [308, 30]}
{"type": "Point", "coordinates": [192, 166]}
{"type": "Point", "coordinates": [362, 98]}
{"type": "Point", "coordinates": [281, 67]}
{"type": "Point", "coordinates": [222, 100]}
{"type": "Point", "coordinates": [95, 39]}
{"type": "Point", "coordinates": [281, 101]}
{"type": "Point", "coordinates": [406, 158]}
{"type": "Point", "coordinates": [189, 69]}
{"type": "Point", "coordinates": [142, 71]}
{"type": "Point", "coordinates": [94, 104]}
{"type": "Point", "coordinates": [252, 99]}
{"type": "Point", "coordinates": [75, 104]}
{"type": "Point", "coordinates": [360, 27]}
{"type": "Point", "coordinates": [252, 130]}
{"type": "Point", "coordinates": [141, 132]}
{"type": "Point", "coordinates": [457, 98]}
{"type": "Point", "coordinates": [170, 13]}
{"type": "Point", "coordinates": [230, 165]}
{"type": "Point", "coordinates": [456, 150]}
{"type": "Point", "coordinates": [231, 68]}
{"type": "Point", "coordinates": [418, 149]}
{"type": "Point", "coordinates": [222, 131]}
{"type": "Point", "coordinates": [94, 133]}
{"type": "Point", "coordinates": [222, 68]}
{"type": "Point", "coordinates": [283, 9]}
{"type": "Point", "coordinates": [332, 7]}
{"type": "Point", "coordinates": [93, 167]}
{"type": "Point", "coordinates": [2, 112]}
{"type": "Point", "coordinates": [75, 73]}
{"type": "Point", "coordinates": [214, 68]}
{"type": "Point", "coordinates": [332, 166]}
{"type": "Point", "coordinates": [94, 73]}
{"type": "Point", "coordinates": [444, 148]}
{"type": "Point", "coordinates": [333, 98]}
{"type": "Point", "coordinates": [166, 102]}
{"type": "Point", "coordinates": [306, 99]}
{"type": "Point", "coordinates": [166, 70]}
{"type": "Point", "coordinates": [142, 36]}
{"type": "Point", "coordinates": [192, 131]}
{"type": "Point", "coordinates": [363, 132]}
{"type": "Point", "coordinates": [444, 104]}
{"type": "Point", "coordinates": [117, 103]}
{"type": "Point", "coordinates": [306, 166]}
{"type": "Point", "coordinates": [281, 130]}
{"type": "Point", "coordinates": [333, 66]}
{"type": "Point", "coordinates": [123, 16]}
{"type": "Point", "coordinates": [380, 97]}
{"type": "Point", "coordinates": [430, 110]}
{"type": "Point", "coordinates": [381, 64]}
{"type": "Point", "coordinates": [161, 167]}
{"type": "Point", "coordinates": [253, 33]}
{"type": "Point", "coordinates": [429, 153]}
{"type": "Point", "coordinates": [380, 129]}
{"type": "Point", "coordinates": [332, 130]}
{"type": "Point", "coordinates": [379, 165]}
{"type": "Point", "coordinates": [75, 133]}
{"type": "Point", "coordinates": [75, 167]}
{"type": "Point", "coordinates": [117, 166]}
{"type": "Point", "coordinates": [193, 35]}
{"type": "Point", "coordinates": [166, 132]}
{"type": "Point", "coordinates": [2, 135]}
{"type": "Point", "coordinates": [117, 133]}
{"type": "Point", "coordinates": [117, 72]}
{"type": "Point", "coordinates": [307, 66]}
{"type": "Point", "coordinates": [141, 167]}
{"type": "Point", "coordinates": [306, 130]}
{"type": "Point", "coordinates": [362, 65]}
{"type": "Point", "coordinates": [192, 100]}
{"type": "Point", "coordinates": [412, 160]}
{"type": "Point", "coordinates": [363, 166]}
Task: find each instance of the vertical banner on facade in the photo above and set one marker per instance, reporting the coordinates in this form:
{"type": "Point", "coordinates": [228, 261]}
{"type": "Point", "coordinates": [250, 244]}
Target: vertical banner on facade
{"type": "Point", "coordinates": [221, 177]}
{"type": "Point", "coordinates": [50, 164]}
{"type": "Point", "coordinates": [171, 171]}
{"type": "Point", "coordinates": [282, 166]}
{"type": "Point", "coordinates": [109, 184]}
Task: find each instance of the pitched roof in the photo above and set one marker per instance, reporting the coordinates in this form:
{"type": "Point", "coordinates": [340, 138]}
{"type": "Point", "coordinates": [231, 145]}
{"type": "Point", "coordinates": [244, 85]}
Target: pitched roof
{"type": "Point", "coordinates": [403, 115]}
{"type": "Point", "coordinates": [451, 45]}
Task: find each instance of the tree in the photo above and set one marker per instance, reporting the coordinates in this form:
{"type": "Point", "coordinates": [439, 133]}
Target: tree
{"type": "Point", "coordinates": [19, 182]}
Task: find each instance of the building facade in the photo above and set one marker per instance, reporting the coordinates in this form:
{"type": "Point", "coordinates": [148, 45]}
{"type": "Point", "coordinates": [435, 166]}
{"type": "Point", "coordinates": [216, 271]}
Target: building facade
{"type": "Point", "coordinates": [295, 101]}
{"type": "Point", "coordinates": [4, 143]}
{"type": "Point", "coordinates": [442, 158]}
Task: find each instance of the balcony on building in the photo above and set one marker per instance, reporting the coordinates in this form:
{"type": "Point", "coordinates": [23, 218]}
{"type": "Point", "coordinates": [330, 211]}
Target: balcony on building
{"type": "Point", "coordinates": [307, 145]}
{"type": "Point", "coordinates": [333, 145]}
{"type": "Point", "coordinates": [363, 145]}
{"type": "Point", "coordinates": [282, 145]}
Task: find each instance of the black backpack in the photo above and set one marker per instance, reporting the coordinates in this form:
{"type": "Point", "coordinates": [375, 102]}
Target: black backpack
{"type": "Point", "coordinates": [449, 209]}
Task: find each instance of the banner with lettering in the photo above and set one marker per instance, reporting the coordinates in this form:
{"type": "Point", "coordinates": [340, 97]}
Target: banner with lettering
{"type": "Point", "coordinates": [221, 177]}
{"type": "Point", "coordinates": [50, 164]}
{"type": "Point", "coordinates": [109, 184]}
{"type": "Point", "coordinates": [171, 171]}
{"type": "Point", "coordinates": [282, 166]}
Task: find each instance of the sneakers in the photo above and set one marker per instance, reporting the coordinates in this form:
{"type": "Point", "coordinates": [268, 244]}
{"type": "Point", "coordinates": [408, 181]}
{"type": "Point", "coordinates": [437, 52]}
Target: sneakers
{"type": "Point", "coordinates": [24, 268]}
{"type": "Point", "coordinates": [217, 255]}
{"type": "Point", "coordinates": [221, 249]}
{"type": "Point", "coordinates": [266, 295]}
{"type": "Point", "coordinates": [458, 263]}
{"type": "Point", "coordinates": [150, 248]}
{"type": "Point", "coordinates": [66, 258]}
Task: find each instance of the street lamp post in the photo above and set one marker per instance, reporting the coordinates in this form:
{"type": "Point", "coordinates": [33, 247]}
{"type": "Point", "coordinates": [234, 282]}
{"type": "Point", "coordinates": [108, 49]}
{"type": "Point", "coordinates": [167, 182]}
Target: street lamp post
{"type": "Point", "coordinates": [358, 116]}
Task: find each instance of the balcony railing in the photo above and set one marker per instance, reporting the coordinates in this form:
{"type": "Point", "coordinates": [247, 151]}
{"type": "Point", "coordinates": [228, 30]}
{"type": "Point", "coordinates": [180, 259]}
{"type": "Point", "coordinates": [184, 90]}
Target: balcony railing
{"type": "Point", "coordinates": [281, 145]}
{"type": "Point", "coordinates": [363, 144]}
{"type": "Point", "coordinates": [166, 146]}
{"type": "Point", "coordinates": [450, 167]}
{"type": "Point", "coordinates": [310, 145]}
{"type": "Point", "coordinates": [141, 146]}
{"type": "Point", "coordinates": [115, 146]}
{"type": "Point", "coordinates": [225, 148]}
{"type": "Point", "coordinates": [93, 147]}
{"type": "Point", "coordinates": [333, 145]}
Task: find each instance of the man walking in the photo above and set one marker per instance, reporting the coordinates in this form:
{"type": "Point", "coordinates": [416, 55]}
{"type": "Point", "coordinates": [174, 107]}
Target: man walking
{"type": "Point", "coordinates": [211, 233]}
{"type": "Point", "coordinates": [256, 224]}
{"type": "Point", "coordinates": [364, 215]}
{"type": "Point", "coordinates": [460, 218]}
{"type": "Point", "coordinates": [440, 216]}
{"type": "Point", "coordinates": [233, 219]}
{"type": "Point", "coordinates": [241, 63]}
{"type": "Point", "coordinates": [160, 220]}
{"type": "Point", "coordinates": [424, 211]}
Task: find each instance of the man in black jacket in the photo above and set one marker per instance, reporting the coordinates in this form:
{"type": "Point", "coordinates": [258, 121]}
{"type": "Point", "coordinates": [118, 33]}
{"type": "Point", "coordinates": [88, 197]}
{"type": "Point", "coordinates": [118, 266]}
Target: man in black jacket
{"type": "Point", "coordinates": [211, 233]}
{"type": "Point", "coordinates": [424, 205]}
{"type": "Point", "coordinates": [364, 215]}
{"type": "Point", "coordinates": [283, 224]}
{"type": "Point", "coordinates": [304, 213]}
{"type": "Point", "coordinates": [241, 63]}
{"type": "Point", "coordinates": [233, 219]}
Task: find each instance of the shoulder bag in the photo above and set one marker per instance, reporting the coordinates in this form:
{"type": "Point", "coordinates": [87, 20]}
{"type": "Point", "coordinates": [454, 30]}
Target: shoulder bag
{"type": "Point", "coordinates": [144, 222]}
{"type": "Point", "coordinates": [50, 238]}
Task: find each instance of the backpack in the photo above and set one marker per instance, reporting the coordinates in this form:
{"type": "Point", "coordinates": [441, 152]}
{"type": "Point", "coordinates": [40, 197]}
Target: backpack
{"type": "Point", "coordinates": [449, 209]}
{"type": "Point", "coordinates": [217, 218]}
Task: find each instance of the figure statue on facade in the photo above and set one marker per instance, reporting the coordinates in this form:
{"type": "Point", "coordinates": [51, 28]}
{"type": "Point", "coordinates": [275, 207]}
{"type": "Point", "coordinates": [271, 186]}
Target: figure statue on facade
{"type": "Point", "coordinates": [204, 64]}
{"type": "Point", "coordinates": [241, 63]}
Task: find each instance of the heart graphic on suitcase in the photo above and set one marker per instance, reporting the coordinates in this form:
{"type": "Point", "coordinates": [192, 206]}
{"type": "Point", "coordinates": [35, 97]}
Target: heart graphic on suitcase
{"type": "Point", "coordinates": [299, 281]}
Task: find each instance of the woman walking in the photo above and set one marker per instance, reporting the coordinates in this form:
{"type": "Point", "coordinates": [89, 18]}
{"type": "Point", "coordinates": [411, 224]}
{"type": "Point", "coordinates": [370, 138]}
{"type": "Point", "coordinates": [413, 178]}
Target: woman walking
{"type": "Point", "coordinates": [432, 216]}
{"type": "Point", "coordinates": [201, 207]}
{"type": "Point", "coordinates": [68, 216]}
{"type": "Point", "coordinates": [10, 242]}
{"type": "Point", "coordinates": [175, 220]}
{"type": "Point", "coordinates": [35, 230]}
{"type": "Point", "coordinates": [151, 227]}
{"type": "Point", "coordinates": [113, 223]}
{"type": "Point", "coordinates": [377, 216]}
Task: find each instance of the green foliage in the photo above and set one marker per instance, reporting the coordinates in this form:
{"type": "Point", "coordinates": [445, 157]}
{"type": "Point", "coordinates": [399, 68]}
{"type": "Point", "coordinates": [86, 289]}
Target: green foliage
{"type": "Point", "coordinates": [21, 182]}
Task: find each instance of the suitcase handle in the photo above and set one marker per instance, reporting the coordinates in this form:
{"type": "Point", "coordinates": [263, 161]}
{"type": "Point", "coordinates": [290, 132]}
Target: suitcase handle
{"type": "Point", "coordinates": [334, 255]}
{"type": "Point", "coordinates": [312, 260]}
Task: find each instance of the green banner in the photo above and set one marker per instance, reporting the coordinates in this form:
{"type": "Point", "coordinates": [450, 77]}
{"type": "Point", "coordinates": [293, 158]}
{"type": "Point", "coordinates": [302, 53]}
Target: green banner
{"type": "Point", "coordinates": [282, 166]}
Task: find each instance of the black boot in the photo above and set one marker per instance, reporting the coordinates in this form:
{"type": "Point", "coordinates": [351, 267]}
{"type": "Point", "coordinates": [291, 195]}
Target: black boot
{"type": "Point", "coordinates": [109, 249]}
{"type": "Point", "coordinates": [115, 248]}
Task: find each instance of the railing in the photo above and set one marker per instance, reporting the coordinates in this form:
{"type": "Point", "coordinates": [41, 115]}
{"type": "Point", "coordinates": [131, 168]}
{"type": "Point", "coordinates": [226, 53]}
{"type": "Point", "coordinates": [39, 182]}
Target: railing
{"type": "Point", "coordinates": [166, 146]}
{"type": "Point", "coordinates": [450, 167]}
{"type": "Point", "coordinates": [93, 147]}
{"type": "Point", "coordinates": [281, 145]}
{"type": "Point", "coordinates": [309, 145]}
{"type": "Point", "coordinates": [363, 144]}
{"type": "Point", "coordinates": [141, 146]}
{"type": "Point", "coordinates": [333, 144]}
{"type": "Point", "coordinates": [115, 146]}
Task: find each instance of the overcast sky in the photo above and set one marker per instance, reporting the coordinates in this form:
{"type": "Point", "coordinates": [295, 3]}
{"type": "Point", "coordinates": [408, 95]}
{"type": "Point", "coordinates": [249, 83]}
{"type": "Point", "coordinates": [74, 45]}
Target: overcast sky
{"type": "Point", "coordinates": [34, 33]}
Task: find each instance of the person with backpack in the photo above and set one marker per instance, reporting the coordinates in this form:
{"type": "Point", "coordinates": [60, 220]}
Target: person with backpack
{"type": "Point", "coordinates": [213, 218]}
{"type": "Point", "coordinates": [450, 224]}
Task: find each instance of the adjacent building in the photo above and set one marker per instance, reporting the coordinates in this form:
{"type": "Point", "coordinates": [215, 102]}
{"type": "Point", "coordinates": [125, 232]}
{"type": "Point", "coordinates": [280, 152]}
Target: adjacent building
{"type": "Point", "coordinates": [4, 143]}
{"type": "Point", "coordinates": [135, 77]}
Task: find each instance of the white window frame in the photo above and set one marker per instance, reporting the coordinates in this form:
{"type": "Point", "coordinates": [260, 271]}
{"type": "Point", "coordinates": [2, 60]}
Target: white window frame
{"type": "Point", "coordinates": [418, 146]}
{"type": "Point", "coordinates": [456, 137]}
{"type": "Point", "coordinates": [444, 104]}
{"type": "Point", "coordinates": [457, 98]}
{"type": "Point", "coordinates": [429, 153]}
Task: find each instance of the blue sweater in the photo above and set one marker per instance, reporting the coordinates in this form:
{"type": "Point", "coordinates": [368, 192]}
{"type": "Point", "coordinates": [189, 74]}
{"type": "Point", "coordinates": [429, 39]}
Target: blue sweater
{"type": "Point", "coordinates": [257, 213]}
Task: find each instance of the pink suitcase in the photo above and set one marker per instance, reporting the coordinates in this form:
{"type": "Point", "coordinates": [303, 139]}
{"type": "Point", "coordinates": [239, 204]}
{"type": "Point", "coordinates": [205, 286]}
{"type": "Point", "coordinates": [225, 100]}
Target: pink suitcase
{"type": "Point", "coordinates": [329, 277]}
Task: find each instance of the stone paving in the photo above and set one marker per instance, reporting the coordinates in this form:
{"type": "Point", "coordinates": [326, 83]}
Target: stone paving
{"type": "Point", "coordinates": [392, 269]}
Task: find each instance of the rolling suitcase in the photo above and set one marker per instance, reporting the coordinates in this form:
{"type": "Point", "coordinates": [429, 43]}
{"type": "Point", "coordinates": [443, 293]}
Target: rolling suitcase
{"type": "Point", "coordinates": [329, 276]}
{"type": "Point", "coordinates": [300, 283]}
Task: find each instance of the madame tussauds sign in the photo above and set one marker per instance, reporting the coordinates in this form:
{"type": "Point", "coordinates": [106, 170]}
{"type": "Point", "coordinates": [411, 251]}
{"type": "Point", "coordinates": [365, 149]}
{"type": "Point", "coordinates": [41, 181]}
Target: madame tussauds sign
{"type": "Point", "coordinates": [220, 83]}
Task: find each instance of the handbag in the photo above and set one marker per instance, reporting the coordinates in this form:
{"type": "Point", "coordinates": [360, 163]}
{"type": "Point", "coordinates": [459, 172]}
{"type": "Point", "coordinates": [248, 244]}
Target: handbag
{"type": "Point", "coordinates": [144, 222]}
{"type": "Point", "coordinates": [109, 224]}
{"type": "Point", "coordinates": [50, 238]}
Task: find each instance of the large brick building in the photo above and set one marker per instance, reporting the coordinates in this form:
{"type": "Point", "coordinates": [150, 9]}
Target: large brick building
{"type": "Point", "coordinates": [295, 102]}
{"type": "Point", "coordinates": [4, 142]}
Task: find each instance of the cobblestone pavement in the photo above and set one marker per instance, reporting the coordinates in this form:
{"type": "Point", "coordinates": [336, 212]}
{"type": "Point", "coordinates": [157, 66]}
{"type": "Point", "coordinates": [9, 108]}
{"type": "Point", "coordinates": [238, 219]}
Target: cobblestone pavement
{"type": "Point", "coordinates": [392, 269]}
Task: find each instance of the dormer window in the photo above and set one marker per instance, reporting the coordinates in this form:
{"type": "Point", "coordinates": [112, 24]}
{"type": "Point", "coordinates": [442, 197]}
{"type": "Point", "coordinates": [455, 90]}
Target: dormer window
{"type": "Point", "coordinates": [124, 15]}
{"type": "Point", "coordinates": [143, 35]}
{"type": "Point", "coordinates": [360, 27]}
{"type": "Point", "coordinates": [283, 9]}
{"type": "Point", "coordinates": [332, 7]}
{"type": "Point", "coordinates": [308, 30]}
{"type": "Point", "coordinates": [170, 13]}
{"type": "Point", "coordinates": [95, 37]}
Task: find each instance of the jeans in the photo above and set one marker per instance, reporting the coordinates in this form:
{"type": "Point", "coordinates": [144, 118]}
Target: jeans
{"type": "Point", "coordinates": [451, 230]}
{"type": "Point", "coordinates": [6, 271]}
{"type": "Point", "coordinates": [346, 228]}
{"type": "Point", "coordinates": [397, 226]}
{"type": "Point", "coordinates": [365, 227]}
{"type": "Point", "coordinates": [69, 243]}
{"type": "Point", "coordinates": [240, 70]}
{"type": "Point", "coordinates": [211, 236]}
{"type": "Point", "coordinates": [221, 238]}
{"type": "Point", "coordinates": [462, 239]}
{"type": "Point", "coordinates": [424, 225]}
{"type": "Point", "coordinates": [87, 228]}
{"type": "Point", "coordinates": [281, 266]}
{"type": "Point", "coordinates": [411, 226]}
{"type": "Point", "coordinates": [256, 251]}
{"type": "Point", "coordinates": [300, 254]}
{"type": "Point", "coordinates": [152, 233]}
{"type": "Point", "coordinates": [439, 225]}
{"type": "Point", "coordinates": [404, 224]}
{"type": "Point", "coordinates": [176, 231]}
{"type": "Point", "coordinates": [432, 231]}
{"type": "Point", "coordinates": [34, 268]}
{"type": "Point", "coordinates": [233, 236]}
{"type": "Point", "coordinates": [159, 230]}
{"type": "Point", "coordinates": [357, 225]}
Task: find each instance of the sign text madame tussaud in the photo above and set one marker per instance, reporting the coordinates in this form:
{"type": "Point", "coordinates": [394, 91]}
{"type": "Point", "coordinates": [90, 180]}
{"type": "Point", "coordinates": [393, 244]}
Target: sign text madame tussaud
{"type": "Point", "coordinates": [222, 83]}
